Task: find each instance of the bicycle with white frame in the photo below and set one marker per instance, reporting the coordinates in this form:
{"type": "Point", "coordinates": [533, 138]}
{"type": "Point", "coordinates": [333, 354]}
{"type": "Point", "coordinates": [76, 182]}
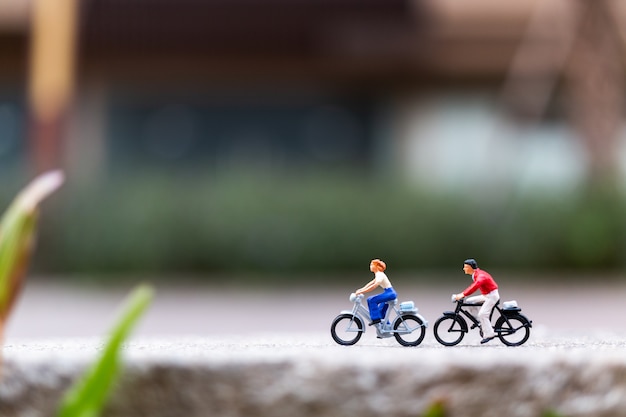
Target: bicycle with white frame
{"type": "Point", "coordinates": [407, 325]}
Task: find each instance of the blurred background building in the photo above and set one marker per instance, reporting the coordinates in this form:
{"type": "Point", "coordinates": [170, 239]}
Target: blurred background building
{"type": "Point", "coordinates": [280, 135]}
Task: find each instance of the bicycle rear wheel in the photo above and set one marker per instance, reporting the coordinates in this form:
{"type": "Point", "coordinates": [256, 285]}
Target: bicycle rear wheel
{"type": "Point", "coordinates": [411, 330]}
{"type": "Point", "coordinates": [513, 330]}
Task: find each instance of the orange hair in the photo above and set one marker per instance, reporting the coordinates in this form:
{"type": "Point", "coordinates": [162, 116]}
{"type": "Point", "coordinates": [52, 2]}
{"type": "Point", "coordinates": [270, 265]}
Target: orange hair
{"type": "Point", "coordinates": [379, 264]}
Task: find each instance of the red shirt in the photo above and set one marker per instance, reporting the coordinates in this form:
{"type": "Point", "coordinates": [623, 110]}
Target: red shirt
{"type": "Point", "coordinates": [482, 282]}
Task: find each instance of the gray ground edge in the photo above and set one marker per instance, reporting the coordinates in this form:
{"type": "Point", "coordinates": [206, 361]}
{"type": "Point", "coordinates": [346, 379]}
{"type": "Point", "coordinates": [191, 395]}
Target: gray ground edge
{"type": "Point", "coordinates": [291, 375]}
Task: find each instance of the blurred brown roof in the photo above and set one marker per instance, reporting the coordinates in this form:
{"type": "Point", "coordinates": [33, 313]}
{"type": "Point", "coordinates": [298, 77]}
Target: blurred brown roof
{"type": "Point", "coordinates": [386, 38]}
{"type": "Point", "coordinates": [251, 35]}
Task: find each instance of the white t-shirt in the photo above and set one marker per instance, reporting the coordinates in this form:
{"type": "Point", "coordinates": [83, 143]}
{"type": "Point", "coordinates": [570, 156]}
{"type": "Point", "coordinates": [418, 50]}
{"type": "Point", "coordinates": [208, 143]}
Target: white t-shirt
{"type": "Point", "coordinates": [382, 280]}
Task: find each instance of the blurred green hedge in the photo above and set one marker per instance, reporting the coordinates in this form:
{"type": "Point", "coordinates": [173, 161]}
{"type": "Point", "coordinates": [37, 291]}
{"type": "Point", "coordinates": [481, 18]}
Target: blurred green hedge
{"type": "Point", "coordinates": [264, 224]}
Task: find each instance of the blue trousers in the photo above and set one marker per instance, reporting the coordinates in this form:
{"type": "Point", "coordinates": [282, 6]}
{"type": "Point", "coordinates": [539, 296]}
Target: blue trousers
{"type": "Point", "coordinates": [378, 303]}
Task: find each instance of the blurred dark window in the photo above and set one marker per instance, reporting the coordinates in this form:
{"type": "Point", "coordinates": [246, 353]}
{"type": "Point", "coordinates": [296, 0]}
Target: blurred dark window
{"type": "Point", "coordinates": [185, 134]}
{"type": "Point", "coordinates": [12, 132]}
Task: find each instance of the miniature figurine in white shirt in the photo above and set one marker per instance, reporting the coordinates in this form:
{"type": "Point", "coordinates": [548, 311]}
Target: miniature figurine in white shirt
{"type": "Point", "coordinates": [378, 303]}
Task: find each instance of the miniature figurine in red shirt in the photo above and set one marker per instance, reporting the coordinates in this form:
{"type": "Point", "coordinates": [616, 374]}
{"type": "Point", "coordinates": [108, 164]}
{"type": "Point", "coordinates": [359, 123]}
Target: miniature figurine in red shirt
{"type": "Point", "coordinates": [488, 298]}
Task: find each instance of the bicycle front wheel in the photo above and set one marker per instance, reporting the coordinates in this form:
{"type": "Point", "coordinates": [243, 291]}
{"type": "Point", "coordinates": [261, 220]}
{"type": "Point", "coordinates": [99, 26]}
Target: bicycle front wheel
{"type": "Point", "coordinates": [449, 330]}
{"type": "Point", "coordinates": [347, 329]}
{"type": "Point", "coordinates": [410, 330]}
{"type": "Point", "coordinates": [513, 330]}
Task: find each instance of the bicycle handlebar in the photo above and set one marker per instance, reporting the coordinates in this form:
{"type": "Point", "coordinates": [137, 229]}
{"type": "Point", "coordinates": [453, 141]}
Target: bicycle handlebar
{"type": "Point", "coordinates": [354, 297]}
{"type": "Point", "coordinates": [452, 299]}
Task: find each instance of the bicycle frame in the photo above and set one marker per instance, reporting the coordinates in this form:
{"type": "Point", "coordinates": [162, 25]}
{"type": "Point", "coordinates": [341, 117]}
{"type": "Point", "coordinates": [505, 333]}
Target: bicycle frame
{"type": "Point", "coordinates": [364, 315]}
{"type": "Point", "coordinates": [474, 320]}
{"type": "Point", "coordinates": [476, 323]}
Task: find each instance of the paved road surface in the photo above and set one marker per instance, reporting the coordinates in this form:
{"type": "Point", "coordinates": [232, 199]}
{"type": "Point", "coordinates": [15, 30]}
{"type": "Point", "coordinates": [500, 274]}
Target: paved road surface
{"type": "Point", "coordinates": [61, 310]}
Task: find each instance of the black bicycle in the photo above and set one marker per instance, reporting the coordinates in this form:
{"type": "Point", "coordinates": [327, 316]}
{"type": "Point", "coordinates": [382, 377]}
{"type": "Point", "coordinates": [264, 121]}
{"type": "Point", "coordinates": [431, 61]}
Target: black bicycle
{"type": "Point", "coordinates": [512, 327]}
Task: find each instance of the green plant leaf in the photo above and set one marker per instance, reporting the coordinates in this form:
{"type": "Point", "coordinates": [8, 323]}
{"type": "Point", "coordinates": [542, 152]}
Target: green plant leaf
{"type": "Point", "coordinates": [17, 234]}
{"type": "Point", "coordinates": [87, 397]}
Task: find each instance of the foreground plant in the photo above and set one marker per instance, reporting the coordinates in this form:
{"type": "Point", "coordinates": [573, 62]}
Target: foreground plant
{"type": "Point", "coordinates": [436, 409]}
{"type": "Point", "coordinates": [18, 228]}
{"type": "Point", "coordinates": [88, 396]}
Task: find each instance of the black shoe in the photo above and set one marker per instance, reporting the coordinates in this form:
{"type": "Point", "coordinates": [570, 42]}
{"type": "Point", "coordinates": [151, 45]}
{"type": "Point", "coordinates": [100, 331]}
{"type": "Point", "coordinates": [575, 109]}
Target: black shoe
{"type": "Point", "coordinates": [487, 339]}
{"type": "Point", "coordinates": [374, 322]}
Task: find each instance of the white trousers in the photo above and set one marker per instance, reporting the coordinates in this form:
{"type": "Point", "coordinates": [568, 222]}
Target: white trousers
{"type": "Point", "coordinates": [488, 301]}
